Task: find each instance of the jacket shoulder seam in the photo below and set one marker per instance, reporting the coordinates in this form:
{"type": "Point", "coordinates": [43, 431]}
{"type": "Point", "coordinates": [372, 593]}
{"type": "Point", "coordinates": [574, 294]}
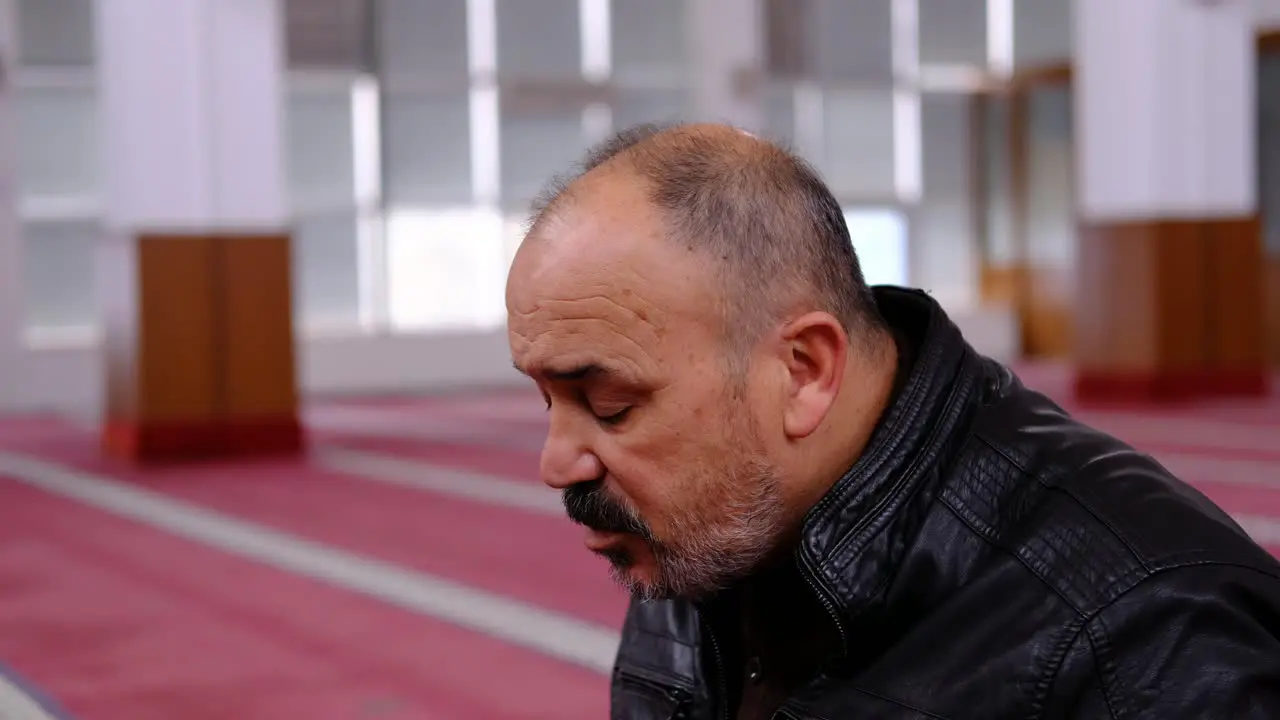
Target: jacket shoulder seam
{"type": "Point", "coordinates": [1070, 637]}
{"type": "Point", "coordinates": [1085, 505]}
{"type": "Point", "coordinates": [958, 508]}
{"type": "Point", "coordinates": [1011, 552]}
{"type": "Point", "coordinates": [1096, 630]}
{"type": "Point", "coordinates": [1103, 663]}
{"type": "Point", "coordinates": [1080, 501]}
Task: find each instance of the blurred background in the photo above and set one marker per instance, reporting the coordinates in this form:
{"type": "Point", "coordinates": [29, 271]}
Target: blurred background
{"type": "Point", "coordinates": [364, 534]}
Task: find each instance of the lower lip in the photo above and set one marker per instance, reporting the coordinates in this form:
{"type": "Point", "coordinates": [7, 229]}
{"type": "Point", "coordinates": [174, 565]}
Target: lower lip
{"type": "Point", "coordinates": [598, 540]}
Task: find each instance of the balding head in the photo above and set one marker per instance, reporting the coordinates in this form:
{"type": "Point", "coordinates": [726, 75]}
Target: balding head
{"type": "Point", "coordinates": [635, 271]}
{"type": "Point", "coordinates": [774, 234]}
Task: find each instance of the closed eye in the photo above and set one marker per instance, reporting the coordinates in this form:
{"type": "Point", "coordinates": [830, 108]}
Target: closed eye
{"type": "Point", "coordinates": [613, 418]}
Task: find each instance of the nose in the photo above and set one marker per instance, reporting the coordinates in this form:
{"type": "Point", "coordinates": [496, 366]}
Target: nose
{"type": "Point", "coordinates": [566, 459]}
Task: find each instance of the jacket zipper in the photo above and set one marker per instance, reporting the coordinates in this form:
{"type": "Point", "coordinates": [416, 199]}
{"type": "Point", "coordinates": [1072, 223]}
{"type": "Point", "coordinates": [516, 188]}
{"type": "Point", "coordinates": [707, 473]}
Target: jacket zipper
{"type": "Point", "coordinates": [910, 472]}
{"type": "Point", "coordinates": [810, 576]}
{"type": "Point", "coordinates": [722, 683]}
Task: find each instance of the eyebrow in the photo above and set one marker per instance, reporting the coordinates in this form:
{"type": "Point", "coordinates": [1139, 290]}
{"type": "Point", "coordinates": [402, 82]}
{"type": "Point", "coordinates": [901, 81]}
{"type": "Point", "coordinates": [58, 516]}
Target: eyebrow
{"type": "Point", "coordinates": [584, 371]}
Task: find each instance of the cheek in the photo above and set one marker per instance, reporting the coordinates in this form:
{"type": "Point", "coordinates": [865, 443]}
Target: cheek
{"type": "Point", "coordinates": [663, 461]}
{"type": "Point", "coordinates": [675, 483]}
{"type": "Point", "coordinates": [655, 477]}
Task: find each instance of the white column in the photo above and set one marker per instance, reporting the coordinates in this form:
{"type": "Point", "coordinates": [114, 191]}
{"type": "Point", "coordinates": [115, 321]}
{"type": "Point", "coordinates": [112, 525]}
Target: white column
{"type": "Point", "coordinates": [191, 99]}
{"type": "Point", "coordinates": [725, 40]}
{"type": "Point", "coordinates": [1165, 109]}
{"type": "Point", "coordinates": [11, 292]}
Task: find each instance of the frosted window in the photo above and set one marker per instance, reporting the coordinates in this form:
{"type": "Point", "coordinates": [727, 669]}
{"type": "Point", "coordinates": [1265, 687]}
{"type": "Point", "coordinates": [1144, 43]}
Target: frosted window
{"type": "Point", "coordinates": [852, 39]}
{"type": "Point", "coordinates": [942, 228]}
{"type": "Point", "coordinates": [326, 262]}
{"type": "Point", "coordinates": [56, 33]}
{"type": "Point", "coordinates": [649, 41]}
{"type": "Point", "coordinates": [447, 269]}
{"type": "Point", "coordinates": [536, 147]}
{"type": "Point", "coordinates": [954, 31]}
{"type": "Point", "coordinates": [320, 141]}
{"type": "Point", "coordinates": [858, 143]}
{"type": "Point", "coordinates": [427, 152]}
{"type": "Point", "coordinates": [328, 34]}
{"type": "Point", "coordinates": [780, 112]}
{"type": "Point", "coordinates": [1051, 237]}
{"type": "Point", "coordinates": [57, 142]}
{"type": "Point", "coordinates": [1000, 248]}
{"type": "Point", "coordinates": [945, 131]}
{"type": "Point", "coordinates": [539, 38]}
{"type": "Point", "coordinates": [1041, 32]}
{"type": "Point", "coordinates": [880, 241]}
{"type": "Point", "coordinates": [59, 274]}
{"type": "Point", "coordinates": [422, 40]}
{"type": "Point", "coordinates": [633, 107]}
{"type": "Point", "coordinates": [845, 40]}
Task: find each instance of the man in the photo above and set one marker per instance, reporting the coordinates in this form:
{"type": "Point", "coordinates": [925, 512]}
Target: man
{"type": "Point", "coordinates": [824, 502]}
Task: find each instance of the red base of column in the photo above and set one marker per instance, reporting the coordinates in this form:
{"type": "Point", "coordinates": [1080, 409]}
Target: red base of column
{"type": "Point", "coordinates": [1104, 387]}
{"type": "Point", "coordinates": [176, 441]}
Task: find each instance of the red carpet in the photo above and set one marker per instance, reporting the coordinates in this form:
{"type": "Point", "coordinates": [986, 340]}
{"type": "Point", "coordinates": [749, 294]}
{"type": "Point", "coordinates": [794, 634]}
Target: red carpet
{"type": "Point", "coordinates": [118, 620]}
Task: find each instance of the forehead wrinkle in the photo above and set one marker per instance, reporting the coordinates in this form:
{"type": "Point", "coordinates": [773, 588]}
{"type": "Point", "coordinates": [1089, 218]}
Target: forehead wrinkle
{"type": "Point", "coordinates": [607, 302]}
{"type": "Point", "coordinates": [541, 342]}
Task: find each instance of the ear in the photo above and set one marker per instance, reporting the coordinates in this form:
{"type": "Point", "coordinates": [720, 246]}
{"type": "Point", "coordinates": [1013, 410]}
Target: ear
{"type": "Point", "coordinates": [815, 348]}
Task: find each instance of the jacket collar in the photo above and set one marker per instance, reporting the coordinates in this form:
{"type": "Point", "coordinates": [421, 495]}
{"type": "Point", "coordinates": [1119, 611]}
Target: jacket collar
{"type": "Point", "coordinates": [856, 537]}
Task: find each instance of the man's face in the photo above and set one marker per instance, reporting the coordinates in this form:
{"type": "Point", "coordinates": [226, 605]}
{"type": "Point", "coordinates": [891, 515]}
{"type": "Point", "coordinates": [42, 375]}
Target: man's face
{"type": "Point", "coordinates": [659, 453]}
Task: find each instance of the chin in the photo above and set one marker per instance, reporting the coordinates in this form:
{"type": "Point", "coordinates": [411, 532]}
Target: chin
{"type": "Point", "coordinates": [636, 570]}
{"type": "Point", "coordinates": [640, 586]}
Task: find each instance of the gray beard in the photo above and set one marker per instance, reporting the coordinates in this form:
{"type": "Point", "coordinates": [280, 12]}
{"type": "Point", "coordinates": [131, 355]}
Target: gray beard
{"type": "Point", "coordinates": [706, 557]}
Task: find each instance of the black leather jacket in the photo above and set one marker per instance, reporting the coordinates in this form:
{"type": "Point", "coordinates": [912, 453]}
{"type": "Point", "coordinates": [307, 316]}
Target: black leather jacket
{"type": "Point", "coordinates": [988, 557]}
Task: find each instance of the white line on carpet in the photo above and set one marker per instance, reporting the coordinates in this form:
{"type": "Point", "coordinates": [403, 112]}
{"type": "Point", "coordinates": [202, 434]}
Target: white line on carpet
{"type": "Point", "coordinates": [384, 425]}
{"type": "Point", "coordinates": [1263, 530]}
{"type": "Point", "coordinates": [16, 704]}
{"type": "Point", "coordinates": [1220, 435]}
{"type": "Point", "coordinates": [527, 495]}
{"type": "Point", "coordinates": [550, 633]}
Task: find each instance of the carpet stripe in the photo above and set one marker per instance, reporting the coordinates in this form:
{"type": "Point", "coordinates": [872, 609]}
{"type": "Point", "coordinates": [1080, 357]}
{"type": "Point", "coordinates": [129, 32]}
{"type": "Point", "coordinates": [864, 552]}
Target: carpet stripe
{"type": "Point", "coordinates": [19, 701]}
{"type": "Point", "coordinates": [430, 477]}
{"type": "Point", "coordinates": [553, 634]}
{"type": "Point", "coordinates": [103, 613]}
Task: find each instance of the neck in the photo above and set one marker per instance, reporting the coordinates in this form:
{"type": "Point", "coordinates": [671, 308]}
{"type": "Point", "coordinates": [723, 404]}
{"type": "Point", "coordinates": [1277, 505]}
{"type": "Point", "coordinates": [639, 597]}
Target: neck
{"type": "Point", "coordinates": [870, 377]}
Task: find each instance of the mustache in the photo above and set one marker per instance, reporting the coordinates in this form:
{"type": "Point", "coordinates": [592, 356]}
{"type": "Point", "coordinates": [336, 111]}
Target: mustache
{"type": "Point", "coordinates": [589, 504]}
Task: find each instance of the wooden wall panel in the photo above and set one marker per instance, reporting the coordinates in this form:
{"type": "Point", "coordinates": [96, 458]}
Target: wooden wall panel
{"type": "Point", "coordinates": [1001, 284]}
{"type": "Point", "coordinates": [260, 393]}
{"type": "Point", "coordinates": [1168, 310]}
{"type": "Point", "coordinates": [1115, 307]}
{"type": "Point", "coordinates": [1048, 315]}
{"type": "Point", "coordinates": [258, 326]}
{"type": "Point", "coordinates": [1237, 294]}
{"type": "Point", "coordinates": [200, 347]}
{"type": "Point", "coordinates": [178, 318]}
